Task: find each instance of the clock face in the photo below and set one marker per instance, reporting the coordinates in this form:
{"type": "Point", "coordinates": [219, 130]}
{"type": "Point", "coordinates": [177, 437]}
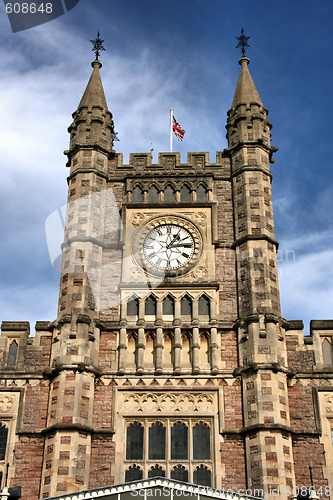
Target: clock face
{"type": "Point", "coordinates": [168, 247]}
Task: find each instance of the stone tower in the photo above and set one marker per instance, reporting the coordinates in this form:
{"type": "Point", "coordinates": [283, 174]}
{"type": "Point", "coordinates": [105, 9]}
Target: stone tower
{"type": "Point", "coordinates": [169, 356]}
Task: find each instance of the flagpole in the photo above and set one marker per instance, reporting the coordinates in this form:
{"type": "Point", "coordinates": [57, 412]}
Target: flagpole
{"type": "Point", "coordinates": [171, 115]}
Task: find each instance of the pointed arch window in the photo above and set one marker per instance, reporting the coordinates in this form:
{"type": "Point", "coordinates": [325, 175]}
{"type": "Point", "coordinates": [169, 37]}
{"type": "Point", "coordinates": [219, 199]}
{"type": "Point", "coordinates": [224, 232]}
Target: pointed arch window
{"type": "Point", "coordinates": [186, 306]}
{"type": "Point", "coordinates": [153, 194]}
{"type": "Point", "coordinates": [201, 442]}
{"type": "Point", "coordinates": [204, 306]}
{"type": "Point", "coordinates": [150, 306]}
{"type": "Point", "coordinates": [137, 194]}
{"type": "Point", "coordinates": [3, 441]}
{"type": "Point", "coordinates": [168, 306]}
{"type": "Point", "coordinates": [12, 353]}
{"type": "Point", "coordinates": [179, 473]}
{"type": "Point", "coordinates": [134, 442]}
{"type": "Point", "coordinates": [156, 448]}
{"type": "Point", "coordinates": [156, 471]}
{"type": "Point", "coordinates": [133, 307]}
{"type": "Point", "coordinates": [202, 194]}
{"type": "Point", "coordinates": [327, 352]}
{"type": "Point", "coordinates": [133, 473]}
{"type": "Point", "coordinates": [185, 194]}
{"type": "Point", "coordinates": [169, 194]}
{"type": "Point", "coordinates": [179, 441]}
{"type": "Point", "coordinates": [202, 476]}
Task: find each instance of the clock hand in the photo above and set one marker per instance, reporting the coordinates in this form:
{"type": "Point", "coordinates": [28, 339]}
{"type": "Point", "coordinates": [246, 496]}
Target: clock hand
{"type": "Point", "coordinates": [172, 242]}
{"type": "Point", "coordinates": [185, 245]}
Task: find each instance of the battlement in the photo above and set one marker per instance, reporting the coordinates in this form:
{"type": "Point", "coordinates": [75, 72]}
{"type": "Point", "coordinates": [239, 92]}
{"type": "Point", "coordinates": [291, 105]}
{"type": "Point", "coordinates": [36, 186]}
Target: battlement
{"type": "Point", "coordinates": [21, 352]}
{"type": "Point", "coordinates": [196, 162]}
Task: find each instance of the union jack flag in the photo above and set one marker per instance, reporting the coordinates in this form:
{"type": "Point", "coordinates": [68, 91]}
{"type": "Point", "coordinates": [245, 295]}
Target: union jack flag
{"type": "Point", "coordinates": [179, 132]}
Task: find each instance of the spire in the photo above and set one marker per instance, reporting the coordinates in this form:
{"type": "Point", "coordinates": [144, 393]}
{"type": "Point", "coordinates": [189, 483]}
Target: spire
{"type": "Point", "coordinates": [94, 93]}
{"type": "Point", "coordinates": [92, 121]}
{"type": "Point", "coordinates": [246, 91]}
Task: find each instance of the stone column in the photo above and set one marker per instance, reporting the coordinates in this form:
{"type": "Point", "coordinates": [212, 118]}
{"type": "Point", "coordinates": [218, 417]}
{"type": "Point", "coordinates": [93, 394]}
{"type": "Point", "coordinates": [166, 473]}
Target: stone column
{"type": "Point", "coordinates": [122, 351]}
{"type": "Point", "coordinates": [177, 350]}
{"type": "Point", "coordinates": [214, 350]}
{"type": "Point", "coordinates": [158, 350]}
{"type": "Point", "coordinates": [195, 350]}
{"type": "Point", "coordinates": [141, 345]}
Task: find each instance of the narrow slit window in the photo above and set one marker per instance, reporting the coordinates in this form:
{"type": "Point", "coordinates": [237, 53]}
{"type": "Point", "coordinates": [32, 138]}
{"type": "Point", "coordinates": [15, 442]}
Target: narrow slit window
{"type": "Point", "coordinates": [12, 353]}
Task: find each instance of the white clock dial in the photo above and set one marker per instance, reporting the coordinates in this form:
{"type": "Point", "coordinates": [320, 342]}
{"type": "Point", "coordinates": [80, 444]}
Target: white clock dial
{"type": "Point", "coordinates": [168, 246]}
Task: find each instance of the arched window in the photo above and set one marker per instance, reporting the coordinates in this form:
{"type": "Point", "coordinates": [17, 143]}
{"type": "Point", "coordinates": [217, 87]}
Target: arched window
{"type": "Point", "coordinates": [169, 194]}
{"type": "Point", "coordinates": [185, 194]}
{"type": "Point", "coordinates": [133, 473]}
{"type": "Point", "coordinates": [12, 353]}
{"type": "Point", "coordinates": [186, 306]}
{"type": "Point", "coordinates": [133, 307]}
{"type": "Point", "coordinates": [156, 448]}
{"type": "Point", "coordinates": [179, 441]}
{"type": "Point", "coordinates": [153, 194]}
{"type": "Point", "coordinates": [150, 306]}
{"type": "Point", "coordinates": [204, 306]}
{"type": "Point", "coordinates": [179, 473]}
{"type": "Point", "coordinates": [327, 352]}
{"type": "Point", "coordinates": [168, 306]}
{"type": "Point", "coordinates": [134, 442]}
{"type": "Point", "coordinates": [201, 442]}
{"type": "Point", "coordinates": [202, 476]}
{"type": "Point", "coordinates": [204, 348]}
{"type": "Point", "coordinates": [201, 193]}
{"type": "Point", "coordinates": [131, 350]}
{"type": "Point", "coordinates": [156, 471]}
{"type": "Point", "coordinates": [137, 194]}
{"type": "Point", "coordinates": [3, 441]}
{"type": "Point", "coordinates": [167, 350]}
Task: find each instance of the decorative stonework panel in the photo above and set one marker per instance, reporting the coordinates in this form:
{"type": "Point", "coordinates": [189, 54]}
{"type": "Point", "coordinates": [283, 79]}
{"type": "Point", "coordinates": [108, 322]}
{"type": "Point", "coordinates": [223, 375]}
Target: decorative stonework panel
{"type": "Point", "coordinates": [6, 403]}
{"type": "Point", "coordinates": [166, 403]}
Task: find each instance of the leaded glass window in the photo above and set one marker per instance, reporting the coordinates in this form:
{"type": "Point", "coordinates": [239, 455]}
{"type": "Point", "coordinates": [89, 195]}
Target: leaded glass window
{"type": "Point", "coordinates": [168, 306]}
{"type": "Point", "coordinates": [156, 449]}
{"type": "Point", "coordinates": [133, 307]}
{"type": "Point", "coordinates": [133, 473]}
{"type": "Point", "coordinates": [202, 476]}
{"type": "Point", "coordinates": [153, 194]}
{"type": "Point", "coordinates": [185, 194]}
{"type": "Point", "coordinates": [179, 441]}
{"type": "Point", "coordinates": [201, 193]}
{"type": "Point", "coordinates": [169, 194]}
{"type": "Point", "coordinates": [186, 306]}
{"type": "Point", "coordinates": [3, 441]}
{"type": "Point", "coordinates": [179, 473]}
{"type": "Point", "coordinates": [201, 442]}
{"type": "Point", "coordinates": [134, 442]}
{"type": "Point", "coordinates": [137, 194]}
{"type": "Point", "coordinates": [204, 306]}
{"type": "Point", "coordinates": [150, 306]}
{"type": "Point", "coordinates": [156, 471]}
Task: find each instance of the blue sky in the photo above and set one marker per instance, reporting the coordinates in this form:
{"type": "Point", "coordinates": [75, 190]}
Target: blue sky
{"type": "Point", "coordinates": [178, 54]}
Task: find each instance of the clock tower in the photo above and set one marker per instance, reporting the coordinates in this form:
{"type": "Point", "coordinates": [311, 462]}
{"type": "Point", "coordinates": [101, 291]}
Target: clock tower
{"type": "Point", "coordinates": [169, 356]}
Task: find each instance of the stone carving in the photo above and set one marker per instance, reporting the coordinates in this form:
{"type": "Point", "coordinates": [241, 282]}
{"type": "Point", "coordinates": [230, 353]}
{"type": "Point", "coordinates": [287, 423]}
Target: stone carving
{"type": "Point", "coordinates": [6, 403]}
{"type": "Point", "coordinates": [201, 272]}
{"type": "Point", "coordinates": [138, 219]}
{"type": "Point", "coordinates": [167, 403]}
{"type": "Point", "coordinates": [137, 275]}
{"type": "Point", "coordinates": [329, 403]}
{"type": "Point", "coordinates": [200, 218]}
